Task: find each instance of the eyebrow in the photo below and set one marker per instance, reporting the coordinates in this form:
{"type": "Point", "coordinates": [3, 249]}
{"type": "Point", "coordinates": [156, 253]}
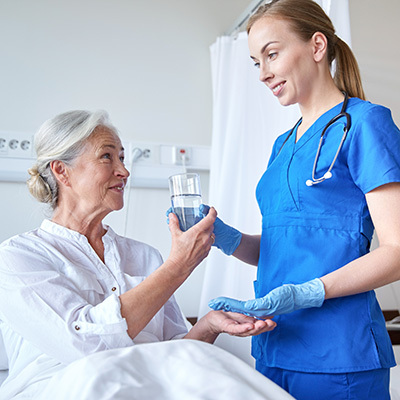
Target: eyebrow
{"type": "Point", "coordinates": [265, 47]}
{"type": "Point", "coordinates": [111, 146]}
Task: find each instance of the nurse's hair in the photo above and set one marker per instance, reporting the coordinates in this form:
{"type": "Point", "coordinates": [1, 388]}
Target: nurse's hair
{"type": "Point", "coordinates": [307, 17]}
{"type": "Point", "coordinates": [61, 138]}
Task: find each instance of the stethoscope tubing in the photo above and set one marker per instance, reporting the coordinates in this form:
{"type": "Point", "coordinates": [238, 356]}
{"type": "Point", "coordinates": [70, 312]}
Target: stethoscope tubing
{"type": "Point", "coordinates": [328, 173]}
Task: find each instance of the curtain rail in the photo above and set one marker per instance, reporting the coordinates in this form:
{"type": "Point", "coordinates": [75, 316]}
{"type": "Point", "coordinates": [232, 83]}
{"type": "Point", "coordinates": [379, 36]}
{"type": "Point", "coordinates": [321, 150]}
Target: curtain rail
{"type": "Point", "coordinates": [246, 14]}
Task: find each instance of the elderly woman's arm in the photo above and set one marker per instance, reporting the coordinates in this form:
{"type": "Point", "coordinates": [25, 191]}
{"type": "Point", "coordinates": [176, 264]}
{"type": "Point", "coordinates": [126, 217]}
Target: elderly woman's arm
{"type": "Point", "coordinates": [140, 304]}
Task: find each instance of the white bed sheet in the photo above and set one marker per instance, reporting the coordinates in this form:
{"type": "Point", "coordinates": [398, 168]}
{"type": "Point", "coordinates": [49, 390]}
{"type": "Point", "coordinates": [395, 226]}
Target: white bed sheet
{"type": "Point", "coordinates": [173, 370]}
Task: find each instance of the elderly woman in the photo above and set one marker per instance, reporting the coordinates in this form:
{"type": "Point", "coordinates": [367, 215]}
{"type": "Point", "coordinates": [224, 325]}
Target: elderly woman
{"type": "Point", "coordinates": [73, 287]}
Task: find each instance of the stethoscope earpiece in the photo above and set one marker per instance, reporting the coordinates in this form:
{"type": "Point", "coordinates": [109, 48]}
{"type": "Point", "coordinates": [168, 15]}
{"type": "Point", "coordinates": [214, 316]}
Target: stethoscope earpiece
{"type": "Point", "coordinates": [309, 182]}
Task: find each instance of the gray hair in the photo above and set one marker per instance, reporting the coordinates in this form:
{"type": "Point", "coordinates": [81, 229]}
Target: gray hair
{"type": "Point", "coordinates": [61, 138]}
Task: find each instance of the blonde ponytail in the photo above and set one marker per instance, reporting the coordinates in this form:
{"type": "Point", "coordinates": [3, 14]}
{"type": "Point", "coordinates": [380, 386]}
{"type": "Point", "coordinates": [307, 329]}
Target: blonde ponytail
{"type": "Point", "coordinates": [347, 75]}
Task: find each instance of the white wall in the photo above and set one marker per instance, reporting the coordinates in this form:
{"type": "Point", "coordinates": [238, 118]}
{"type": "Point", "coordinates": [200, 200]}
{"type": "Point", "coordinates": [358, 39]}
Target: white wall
{"type": "Point", "coordinates": [147, 63]}
{"type": "Point", "coordinates": [375, 31]}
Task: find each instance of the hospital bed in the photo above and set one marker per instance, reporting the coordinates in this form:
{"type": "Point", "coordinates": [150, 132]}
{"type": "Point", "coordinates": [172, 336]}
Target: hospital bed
{"type": "Point", "coordinates": [150, 367]}
{"type": "Point", "coordinates": [178, 369]}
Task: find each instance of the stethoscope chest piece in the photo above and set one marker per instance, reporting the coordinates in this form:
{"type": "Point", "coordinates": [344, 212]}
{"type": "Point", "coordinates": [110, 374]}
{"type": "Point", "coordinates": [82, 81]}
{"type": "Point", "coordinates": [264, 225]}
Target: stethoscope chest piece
{"type": "Point", "coordinates": [327, 175]}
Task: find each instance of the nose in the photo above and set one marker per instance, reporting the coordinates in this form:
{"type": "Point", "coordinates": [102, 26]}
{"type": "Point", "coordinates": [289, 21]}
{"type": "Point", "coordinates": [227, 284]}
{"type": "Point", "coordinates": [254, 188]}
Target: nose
{"type": "Point", "coordinates": [265, 73]}
{"type": "Point", "coordinates": [121, 171]}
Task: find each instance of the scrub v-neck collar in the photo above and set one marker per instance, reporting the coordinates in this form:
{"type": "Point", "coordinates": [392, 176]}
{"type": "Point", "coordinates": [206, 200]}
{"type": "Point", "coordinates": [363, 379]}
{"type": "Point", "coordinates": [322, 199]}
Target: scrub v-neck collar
{"type": "Point", "coordinates": [316, 127]}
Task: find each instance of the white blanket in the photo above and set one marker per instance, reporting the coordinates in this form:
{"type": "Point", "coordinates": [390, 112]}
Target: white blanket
{"type": "Point", "coordinates": [173, 370]}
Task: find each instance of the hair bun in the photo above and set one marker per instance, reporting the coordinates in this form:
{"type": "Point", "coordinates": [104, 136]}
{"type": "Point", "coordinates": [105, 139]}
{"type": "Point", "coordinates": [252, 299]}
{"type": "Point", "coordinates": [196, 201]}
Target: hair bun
{"type": "Point", "coordinates": [38, 187]}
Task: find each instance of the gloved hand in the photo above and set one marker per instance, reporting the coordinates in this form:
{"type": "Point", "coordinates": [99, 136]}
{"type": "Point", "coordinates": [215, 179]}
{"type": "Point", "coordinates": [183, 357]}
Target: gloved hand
{"type": "Point", "coordinates": [282, 300]}
{"type": "Point", "coordinates": [227, 239]}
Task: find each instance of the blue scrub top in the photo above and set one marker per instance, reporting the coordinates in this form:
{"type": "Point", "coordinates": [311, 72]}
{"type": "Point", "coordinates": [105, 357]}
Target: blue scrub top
{"type": "Point", "coordinates": [308, 232]}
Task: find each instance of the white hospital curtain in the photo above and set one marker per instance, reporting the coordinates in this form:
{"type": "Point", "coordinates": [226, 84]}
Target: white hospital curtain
{"type": "Point", "coordinates": [246, 121]}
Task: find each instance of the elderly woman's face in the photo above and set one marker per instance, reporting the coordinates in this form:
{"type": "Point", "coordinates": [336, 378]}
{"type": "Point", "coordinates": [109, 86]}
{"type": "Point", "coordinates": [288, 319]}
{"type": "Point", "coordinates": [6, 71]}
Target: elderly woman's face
{"type": "Point", "coordinates": [98, 177]}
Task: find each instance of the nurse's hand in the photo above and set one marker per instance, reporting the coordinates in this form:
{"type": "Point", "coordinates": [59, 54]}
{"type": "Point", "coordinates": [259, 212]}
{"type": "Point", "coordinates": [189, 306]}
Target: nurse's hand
{"type": "Point", "coordinates": [282, 300]}
{"type": "Point", "coordinates": [227, 239]}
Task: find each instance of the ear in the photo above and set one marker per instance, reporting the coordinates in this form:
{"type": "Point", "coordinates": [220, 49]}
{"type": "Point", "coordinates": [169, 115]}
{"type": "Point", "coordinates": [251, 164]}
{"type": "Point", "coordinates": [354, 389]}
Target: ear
{"type": "Point", "coordinates": [320, 46]}
{"type": "Point", "coordinates": [60, 172]}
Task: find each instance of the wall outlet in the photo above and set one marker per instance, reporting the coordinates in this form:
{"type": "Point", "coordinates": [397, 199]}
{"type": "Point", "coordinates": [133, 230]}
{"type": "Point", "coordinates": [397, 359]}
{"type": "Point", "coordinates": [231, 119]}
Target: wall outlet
{"type": "Point", "coordinates": [182, 155]}
{"type": "Point", "coordinates": [16, 145]}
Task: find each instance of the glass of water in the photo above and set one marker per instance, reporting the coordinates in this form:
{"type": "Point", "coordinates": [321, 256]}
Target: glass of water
{"type": "Point", "coordinates": [186, 198]}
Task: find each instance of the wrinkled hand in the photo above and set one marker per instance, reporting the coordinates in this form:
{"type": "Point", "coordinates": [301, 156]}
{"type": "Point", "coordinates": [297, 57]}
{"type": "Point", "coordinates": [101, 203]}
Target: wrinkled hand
{"type": "Point", "coordinates": [236, 324]}
{"type": "Point", "coordinates": [282, 300]}
{"type": "Point", "coordinates": [189, 248]}
{"type": "Point", "coordinates": [227, 239]}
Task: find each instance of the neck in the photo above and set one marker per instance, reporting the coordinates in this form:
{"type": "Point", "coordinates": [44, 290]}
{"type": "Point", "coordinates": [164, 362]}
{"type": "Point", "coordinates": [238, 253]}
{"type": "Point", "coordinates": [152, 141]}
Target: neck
{"type": "Point", "coordinates": [88, 225]}
{"type": "Point", "coordinates": [317, 104]}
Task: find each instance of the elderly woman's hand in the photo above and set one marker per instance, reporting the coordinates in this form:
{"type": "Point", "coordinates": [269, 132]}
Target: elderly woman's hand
{"type": "Point", "coordinates": [189, 248]}
{"type": "Point", "coordinates": [236, 324]}
{"type": "Point", "coordinates": [212, 324]}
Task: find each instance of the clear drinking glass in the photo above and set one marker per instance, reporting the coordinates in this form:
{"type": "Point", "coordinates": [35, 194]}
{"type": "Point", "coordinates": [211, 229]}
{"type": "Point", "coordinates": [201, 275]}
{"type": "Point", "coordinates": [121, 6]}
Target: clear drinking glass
{"type": "Point", "coordinates": [186, 198]}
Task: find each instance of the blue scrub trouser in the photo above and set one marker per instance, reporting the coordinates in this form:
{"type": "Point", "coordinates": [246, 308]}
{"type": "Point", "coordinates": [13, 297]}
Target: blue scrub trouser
{"type": "Point", "coordinates": [365, 385]}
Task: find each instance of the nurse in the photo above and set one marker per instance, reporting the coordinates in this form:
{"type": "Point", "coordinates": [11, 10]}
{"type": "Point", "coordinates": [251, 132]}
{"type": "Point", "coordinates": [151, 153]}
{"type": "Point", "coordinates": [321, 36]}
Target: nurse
{"type": "Point", "coordinates": [316, 273]}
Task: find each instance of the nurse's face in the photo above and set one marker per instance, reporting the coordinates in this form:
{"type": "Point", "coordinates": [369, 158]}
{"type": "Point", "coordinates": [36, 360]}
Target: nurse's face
{"type": "Point", "coordinates": [286, 62]}
{"type": "Point", "coordinates": [98, 177]}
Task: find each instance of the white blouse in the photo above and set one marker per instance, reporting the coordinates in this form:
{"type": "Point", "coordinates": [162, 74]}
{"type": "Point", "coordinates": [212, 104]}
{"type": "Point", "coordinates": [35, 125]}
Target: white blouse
{"type": "Point", "coordinates": [60, 302]}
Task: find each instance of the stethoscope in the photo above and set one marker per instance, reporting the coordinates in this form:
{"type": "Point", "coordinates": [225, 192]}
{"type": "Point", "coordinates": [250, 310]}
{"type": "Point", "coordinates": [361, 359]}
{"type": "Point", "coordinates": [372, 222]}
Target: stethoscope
{"type": "Point", "coordinates": [346, 128]}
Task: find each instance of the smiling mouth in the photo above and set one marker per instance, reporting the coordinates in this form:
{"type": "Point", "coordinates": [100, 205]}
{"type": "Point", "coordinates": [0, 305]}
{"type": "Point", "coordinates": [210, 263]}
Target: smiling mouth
{"type": "Point", "coordinates": [119, 188]}
{"type": "Point", "coordinates": [276, 89]}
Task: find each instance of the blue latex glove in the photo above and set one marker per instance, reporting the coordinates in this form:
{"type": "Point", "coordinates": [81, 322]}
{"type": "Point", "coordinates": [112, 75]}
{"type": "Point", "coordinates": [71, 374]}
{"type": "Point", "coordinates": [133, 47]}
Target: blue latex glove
{"type": "Point", "coordinates": [169, 211]}
{"type": "Point", "coordinates": [227, 239]}
{"type": "Point", "coordinates": [282, 300]}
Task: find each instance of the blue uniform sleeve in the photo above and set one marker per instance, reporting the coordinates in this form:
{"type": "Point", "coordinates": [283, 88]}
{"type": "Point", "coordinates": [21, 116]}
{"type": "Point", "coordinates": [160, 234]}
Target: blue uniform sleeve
{"type": "Point", "coordinates": [374, 151]}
